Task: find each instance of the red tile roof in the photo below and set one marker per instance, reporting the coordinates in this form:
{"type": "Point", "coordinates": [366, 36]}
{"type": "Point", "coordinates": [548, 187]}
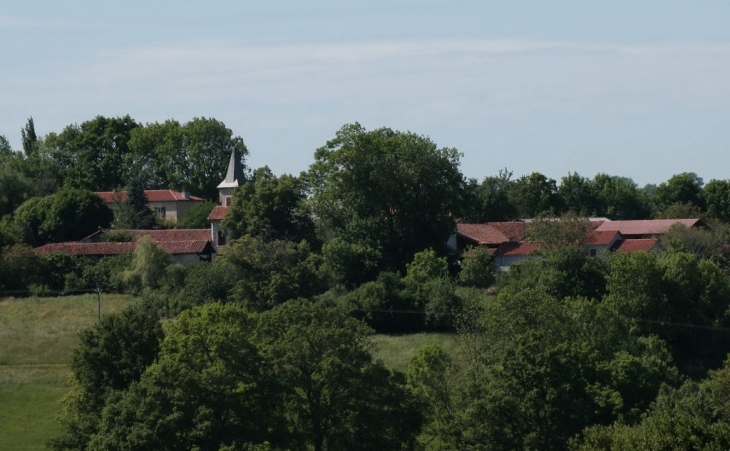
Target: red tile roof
{"type": "Point", "coordinates": [101, 249]}
{"type": "Point", "coordinates": [171, 234]}
{"type": "Point", "coordinates": [218, 213]}
{"type": "Point", "coordinates": [645, 244]}
{"type": "Point", "coordinates": [492, 233]}
{"type": "Point", "coordinates": [601, 237]}
{"type": "Point", "coordinates": [646, 227]}
{"type": "Point", "coordinates": [153, 195]}
{"type": "Point", "coordinates": [516, 248]}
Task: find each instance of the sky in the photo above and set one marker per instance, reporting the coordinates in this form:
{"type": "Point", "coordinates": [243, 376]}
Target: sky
{"type": "Point", "coordinates": [635, 89]}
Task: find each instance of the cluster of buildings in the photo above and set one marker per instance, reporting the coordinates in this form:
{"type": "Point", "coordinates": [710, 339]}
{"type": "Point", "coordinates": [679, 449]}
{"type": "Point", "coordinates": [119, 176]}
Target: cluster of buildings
{"type": "Point", "coordinates": [505, 240]}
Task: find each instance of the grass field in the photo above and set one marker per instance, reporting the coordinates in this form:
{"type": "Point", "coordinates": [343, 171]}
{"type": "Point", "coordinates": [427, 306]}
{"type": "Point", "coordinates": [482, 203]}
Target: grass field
{"type": "Point", "coordinates": [37, 336]}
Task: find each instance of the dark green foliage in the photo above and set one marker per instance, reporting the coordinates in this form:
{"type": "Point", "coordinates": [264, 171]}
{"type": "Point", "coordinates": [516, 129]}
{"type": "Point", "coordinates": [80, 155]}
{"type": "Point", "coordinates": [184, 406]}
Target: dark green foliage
{"type": "Point", "coordinates": [685, 188]}
{"type": "Point", "coordinates": [490, 200]}
{"type": "Point", "coordinates": [270, 207]}
{"type": "Point", "coordinates": [350, 264]}
{"type": "Point", "coordinates": [15, 188]}
{"type": "Point", "coordinates": [134, 213]}
{"type": "Point", "coordinates": [197, 217]}
{"type": "Point", "coordinates": [678, 298]}
{"type": "Point", "coordinates": [29, 138]}
{"type": "Point", "coordinates": [269, 273]}
{"type": "Point", "coordinates": [147, 269]}
{"type": "Point", "coordinates": [392, 188]}
{"type": "Point", "coordinates": [192, 285]}
{"type": "Point", "coordinates": [477, 268]}
{"type": "Point", "coordinates": [68, 215]}
{"type": "Point", "coordinates": [193, 156]}
{"type": "Point", "coordinates": [111, 356]}
{"type": "Point", "coordinates": [337, 396]}
{"type": "Point", "coordinates": [619, 198]}
{"type": "Point", "coordinates": [717, 198]}
{"type": "Point", "coordinates": [91, 155]}
{"type": "Point", "coordinates": [695, 416]}
{"type": "Point", "coordinates": [105, 274]}
{"type": "Point", "coordinates": [209, 387]}
{"type": "Point", "coordinates": [563, 272]}
{"type": "Point", "coordinates": [535, 194]}
{"type": "Point", "coordinates": [20, 267]}
{"type": "Point", "coordinates": [579, 194]}
{"type": "Point", "coordinates": [121, 236]}
{"type": "Point", "coordinates": [59, 267]}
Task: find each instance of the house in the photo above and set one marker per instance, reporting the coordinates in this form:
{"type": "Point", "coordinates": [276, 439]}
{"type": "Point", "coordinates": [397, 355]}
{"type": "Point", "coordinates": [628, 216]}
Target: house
{"type": "Point", "coordinates": [505, 240]}
{"type": "Point", "coordinates": [168, 204]}
{"type": "Point", "coordinates": [183, 245]}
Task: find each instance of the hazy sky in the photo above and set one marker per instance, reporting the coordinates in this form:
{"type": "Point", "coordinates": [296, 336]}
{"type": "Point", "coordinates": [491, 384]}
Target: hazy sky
{"type": "Point", "coordinates": [637, 89]}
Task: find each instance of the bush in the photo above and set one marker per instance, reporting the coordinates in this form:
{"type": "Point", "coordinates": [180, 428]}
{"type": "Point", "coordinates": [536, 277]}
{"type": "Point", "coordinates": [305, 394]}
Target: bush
{"type": "Point", "coordinates": [477, 268]}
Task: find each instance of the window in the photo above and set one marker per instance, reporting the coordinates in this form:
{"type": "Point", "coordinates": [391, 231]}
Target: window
{"type": "Point", "coordinates": [593, 252]}
{"type": "Point", "coordinates": [221, 238]}
{"type": "Point", "coordinates": [228, 201]}
{"type": "Point", "coordinates": [160, 212]}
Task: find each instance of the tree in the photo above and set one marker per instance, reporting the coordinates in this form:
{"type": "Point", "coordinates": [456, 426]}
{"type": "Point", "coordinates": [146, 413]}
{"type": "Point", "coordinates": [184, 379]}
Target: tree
{"type": "Point", "coordinates": [134, 212]}
{"type": "Point", "coordinates": [197, 217]}
{"type": "Point", "coordinates": [393, 188]}
{"type": "Point", "coordinates": [210, 387]}
{"type": "Point", "coordinates": [110, 357]}
{"type": "Point", "coordinates": [29, 138]}
{"type": "Point", "coordinates": [477, 268]}
{"type": "Point", "coordinates": [568, 230]}
{"type": "Point", "coordinates": [149, 262]}
{"type": "Point", "coordinates": [535, 194]}
{"type": "Point", "coordinates": [193, 156]}
{"type": "Point", "coordinates": [336, 395]}
{"type": "Point", "coordinates": [15, 188]}
{"type": "Point", "coordinates": [269, 273]}
{"type": "Point", "coordinates": [68, 215]}
{"type": "Point", "coordinates": [717, 197]}
{"type": "Point", "coordinates": [619, 198]}
{"type": "Point", "coordinates": [578, 194]}
{"type": "Point", "coordinates": [491, 200]}
{"type": "Point", "coordinates": [20, 267]}
{"type": "Point", "coordinates": [91, 155]}
{"type": "Point", "coordinates": [685, 188]}
{"type": "Point", "coordinates": [270, 207]}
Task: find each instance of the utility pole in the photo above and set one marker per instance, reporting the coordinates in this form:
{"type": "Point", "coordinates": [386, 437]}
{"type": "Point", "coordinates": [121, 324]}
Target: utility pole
{"type": "Point", "coordinates": [98, 301]}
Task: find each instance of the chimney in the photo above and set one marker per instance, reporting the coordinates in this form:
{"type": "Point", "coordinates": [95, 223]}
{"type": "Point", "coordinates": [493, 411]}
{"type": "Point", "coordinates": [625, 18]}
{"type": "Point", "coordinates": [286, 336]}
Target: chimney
{"type": "Point", "coordinates": [185, 193]}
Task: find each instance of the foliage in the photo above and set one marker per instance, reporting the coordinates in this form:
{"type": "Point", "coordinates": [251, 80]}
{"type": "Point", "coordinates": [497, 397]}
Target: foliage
{"type": "Point", "coordinates": [535, 194]}
{"type": "Point", "coordinates": [551, 232]}
{"type": "Point", "coordinates": [717, 198]}
{"type": "Point", "coordinates": [708, 242]}
{"type": "Point", "coordinates": [679, 211]}
{"type": "Point", "coordinates": [197, 217]}
{"type": "Point", "coordinates": [20, 267]}
{"type": "Point", "coordinates": [29, 138]}
{"type": "Point", "coordinates": [477, 268]}
{"type": "Point", "coordinates": [270, 207]}
{"type": "Point", "coordinates": [58, 267]}
{"type": "Point", "coordinates": [209, 387]}
{"type": "Point", "coordinates": [148, 265]}
{"type": "Point", "coordinates": [194, 155]}
{"type": "Point", "coordinates": [393, 188]}
{"type": "Point", "coordinates": [106, 274]}
{"type": "Point", "coordinates": [695, 416]}
{"type": "Point", "coordinates": [111, 356]}
{"type": "Point", "coordinates": [119, 236]}
{"type": "Point", "coordinates": [350, 264]}
{"type": "Point", "coordinates": [684, 188]}
{"type": "Point", "coordinates": [15, 188]}
{"type": "Point", "coordinates": [197, 284]}
{"type": "Point", "coordinates": [337, 396]}
{"type": "Point", "coordinates": [491, 199]}
{"type": "Point", "coordinates": [271, 272]}
{"type": "Point", "coordinates": [134, 212]}
{"type": "Point", "coordinates": [619, 198]}
{"type": "Point", "coordinates": [579, 194]}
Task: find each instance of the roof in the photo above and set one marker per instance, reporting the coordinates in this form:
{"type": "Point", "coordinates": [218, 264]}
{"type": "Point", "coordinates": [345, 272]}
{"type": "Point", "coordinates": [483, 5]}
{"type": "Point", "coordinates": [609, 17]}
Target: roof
{"type": "Point", "coordinates": [516, 248]}
{"type": "Point", "coordinates": [601, 237]}
{"type": "Point", "coordinates": [234, 175]}
{"type": "Point", "coordinates": [101, 249]}
{"type": "Point", "coordinates": [156, 235]}
{"type": "Point", "coordinates": [647, 226]}
{"type": "Point", "coordinates": [153, 195]}
{"type": "Point", "coordinates": [635, 245]}
{"type": "Point", "coordinates": [218, 213]}
{"type": "Point", "coordinates": [492, 232]}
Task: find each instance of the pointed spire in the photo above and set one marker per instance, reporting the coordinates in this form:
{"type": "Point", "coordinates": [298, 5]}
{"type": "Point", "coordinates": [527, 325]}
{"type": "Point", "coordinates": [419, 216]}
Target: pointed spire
{"type": "Point", "coordinates": [234, 176]}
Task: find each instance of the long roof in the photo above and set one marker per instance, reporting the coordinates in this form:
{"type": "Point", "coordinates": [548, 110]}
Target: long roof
{"type": "Point", "coordinates": [646, 227]}
{"type": "Point", "coordinates": [156, 235]}
{"type": "Point", "coordinates": [153, 195]}
{"type": "Point", "coordinates": [493, 233]}
{"type": "Point", "coordinates": [103, 248]}
{"type": "Point", "coordinates": [516, 248]}
{"type": "Point", "coordinates": [635, 245]}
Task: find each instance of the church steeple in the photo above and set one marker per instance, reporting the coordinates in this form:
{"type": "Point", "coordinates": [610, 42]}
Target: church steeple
{"type": "Point", "coordinates": [234, 177]}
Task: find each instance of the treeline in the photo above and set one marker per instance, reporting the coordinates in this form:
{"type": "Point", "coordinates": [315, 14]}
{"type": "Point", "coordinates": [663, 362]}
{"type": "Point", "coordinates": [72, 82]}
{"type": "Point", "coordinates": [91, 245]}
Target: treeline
{"type": "Point", "coordinates": [574, 352]}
